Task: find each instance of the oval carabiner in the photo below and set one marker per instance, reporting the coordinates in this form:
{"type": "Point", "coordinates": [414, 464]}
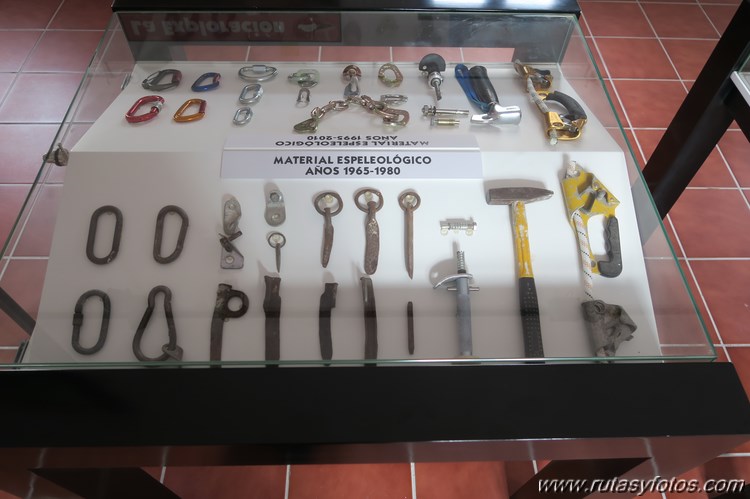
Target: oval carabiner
{"type": "Point", "coordinates": [92, 235]}
{"type": "Point", "coordinates": [180, 118]}
{"type": "Point", "coordinates": [257, 72]}
{"type": "Point", "coordinates": [153, 81]}
{"type": "Point", "coordinates": [157, 101]}
{"type": "Point", "coordinates": [251, 93]}
{"type": "Point", "coordinates": [160, 232]}
{"type": "Point", "coordinates": [243, 116]}
{"type": "Point", "coordinates": [215, 79]}
{"type": "Point", "coordinates": [78, 322]}
{"type": "Point", "coordinates": [169, 350]}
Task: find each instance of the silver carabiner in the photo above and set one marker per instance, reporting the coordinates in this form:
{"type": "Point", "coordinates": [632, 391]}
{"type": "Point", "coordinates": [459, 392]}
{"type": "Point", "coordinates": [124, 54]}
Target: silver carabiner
{"type": "Point", "coordinates": [257, 72]}
{"type": "Point", "coordinates": [243, 116]}
{"type": "Point", "coordinates": [251, 93]}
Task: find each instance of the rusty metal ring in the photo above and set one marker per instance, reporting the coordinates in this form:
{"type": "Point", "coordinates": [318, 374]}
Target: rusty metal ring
{"type": "Point", "coordinates": [390, 82]}
{"type": "Point", "coordinates": [334, 195]}
{"type": "Point", "coordinates": [365, 207]}
{"type": "Point", "coordinates": [402, 200]}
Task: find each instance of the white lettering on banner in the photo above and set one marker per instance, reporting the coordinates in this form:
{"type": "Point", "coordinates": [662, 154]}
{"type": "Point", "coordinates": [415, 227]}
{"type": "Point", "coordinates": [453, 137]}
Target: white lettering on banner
{"type": "Point", "coordinates": [352, 156]}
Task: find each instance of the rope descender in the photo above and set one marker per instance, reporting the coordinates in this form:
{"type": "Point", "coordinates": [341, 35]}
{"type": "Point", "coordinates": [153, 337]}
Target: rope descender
{"type": "Point", "coordinates": [567, 126]}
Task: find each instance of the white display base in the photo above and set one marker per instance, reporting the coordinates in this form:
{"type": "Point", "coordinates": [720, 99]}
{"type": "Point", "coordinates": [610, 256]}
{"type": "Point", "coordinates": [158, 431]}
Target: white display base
{"type": "Point", "coordinates": [142, 168]}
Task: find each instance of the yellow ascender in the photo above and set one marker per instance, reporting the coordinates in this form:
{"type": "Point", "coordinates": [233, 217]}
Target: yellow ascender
{"type": "Point", "coordinates": [586, 197]}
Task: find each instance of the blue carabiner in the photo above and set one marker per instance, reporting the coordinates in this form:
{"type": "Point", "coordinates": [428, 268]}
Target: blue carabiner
{"type": "Point", "coordinates": [215, 78]}
{"type": "Point", "coordinates": [464, 79]}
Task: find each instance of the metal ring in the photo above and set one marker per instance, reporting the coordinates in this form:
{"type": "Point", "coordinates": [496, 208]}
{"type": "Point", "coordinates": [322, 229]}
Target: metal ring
{"type": "Point", "coordinates": [363, 191]}
{"type": "Point", "coordinates": [78, 322]}
{"type": "Point", "coordinates": [224, 294]}
{"type": "Point", "coordinates": [171, 331]}
{"type": "Point", "coordinates": [402, 200]}
{"type": "Point", "coordinates": [334, 195]}
{"type": "Point", "coordinates": [257, 72]}
{"type": "Point", "coordinates": [271, 235]}
{"type": "Point", "coordinates": [160, 232]}
{"type": "Point", "coordinates": [93, 224]}
{"type": "Point", "coordinates": [390, 82]}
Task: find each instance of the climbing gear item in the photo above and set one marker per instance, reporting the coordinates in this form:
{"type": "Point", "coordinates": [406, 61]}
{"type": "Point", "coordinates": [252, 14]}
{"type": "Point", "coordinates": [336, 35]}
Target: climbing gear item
{"type": "Point", "coordinates": [306, 79]}
{"type": "Point", "coordinates": [328, 198]}
{"type": "Point", "coordinates": [181, 118]}
{"type": "Point", "coordinates": [585, 197]}
{"type": "Point", "coordinates": [153, 81]}
{"type": "Point", "coordinates": [478, 88]}
{"type": "Point", "coordinates": [390, 116]}
{"type": "Point", "coordinates": [397, 76]}
{"type": "Point", "coordinates": [372, 229]}
{"type": "Point", "coordinates": [327, 303]}
{"type": "Point", "coordinates": [223, 313]}
{"type": "Point", "coordinates": [568, 126]}
{"type": "Point", "coordinates": [257, 72]}
{"type": "Point", "coordinates": [115, 238]}
{"type": "Point", "coordinates": [272, 310]}
{"type": "Point", "coordinates": [275, 211]}
{"type": "Point", "coordinates": [156, 102]}
{"type": "Point", "coordinates": [231, 258]}
{"type": "Point", "coordinates": [159, 233]}
{"type": "Point", "coordinates": [432, 65]}
{"type": "Point", "coordinates": [371, 319]}
{"type": "Point", "coordinates": [243, 116]}
{"type": "Point", "coordinates": [78, 322]}
{"type": "Point", "coordinates": [215, 80]}
{"type": "Point", "coordinates": [251, 93]}
{"type": "Point", "coordinates": [352, 74]}
{"type": "Point", "coordinates": [170, 350]}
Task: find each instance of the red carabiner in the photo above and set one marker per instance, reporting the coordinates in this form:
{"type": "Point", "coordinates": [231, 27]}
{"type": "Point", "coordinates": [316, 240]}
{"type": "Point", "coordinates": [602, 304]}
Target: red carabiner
{"type": "Point", "coordinates": [158, 102]}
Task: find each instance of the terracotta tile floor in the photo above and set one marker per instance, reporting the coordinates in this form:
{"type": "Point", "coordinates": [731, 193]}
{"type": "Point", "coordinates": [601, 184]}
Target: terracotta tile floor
{"type": "Point", "coordinates": [644, 47]}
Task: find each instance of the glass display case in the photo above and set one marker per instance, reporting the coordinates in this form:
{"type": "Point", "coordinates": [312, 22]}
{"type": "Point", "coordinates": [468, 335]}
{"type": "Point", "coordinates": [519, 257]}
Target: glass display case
{"type": "Point", "coordinates": [741, 79]}
{"type": "Point", "coordinates": [426, 214]}
{"type": "Point", "coordinates": [424, 140]}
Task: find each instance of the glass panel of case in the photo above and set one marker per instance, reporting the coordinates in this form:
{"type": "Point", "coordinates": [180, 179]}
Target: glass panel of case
{"type": "Point", "coordinates": [338, 188]}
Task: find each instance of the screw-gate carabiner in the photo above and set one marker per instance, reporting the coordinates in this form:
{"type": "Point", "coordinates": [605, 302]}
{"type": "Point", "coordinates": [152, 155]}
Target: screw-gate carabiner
{"type": "Point", "coordinates": [215, 79]}
{"type": "Point", "coordinates": [257, 72]}
{"type": "Point", "coordinates": [157, 101]}
{"type": "Point", "coordinates": [180, 118]}
{"type": "Point", "coordinates": [153, 81]}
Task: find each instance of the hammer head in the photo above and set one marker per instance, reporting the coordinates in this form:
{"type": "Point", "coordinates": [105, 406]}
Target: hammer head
{"type": "Point", "coordinates": [509, 195]}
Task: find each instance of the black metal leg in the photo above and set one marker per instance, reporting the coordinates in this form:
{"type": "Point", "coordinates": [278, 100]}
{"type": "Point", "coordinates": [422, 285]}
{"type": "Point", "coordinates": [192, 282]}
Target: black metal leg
{"type": "Point", "coordinates": [15, 312]}
{"type": "Point", "coordinates": [107, 483]}
{"type": "Point", "coordinates": [585, 470]}
{"type": "Point", "coordinates": [704, 116]}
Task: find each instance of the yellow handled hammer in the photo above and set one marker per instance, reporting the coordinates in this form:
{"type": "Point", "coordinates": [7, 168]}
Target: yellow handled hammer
{"type": "Point", "coordinates": [517, 197]}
